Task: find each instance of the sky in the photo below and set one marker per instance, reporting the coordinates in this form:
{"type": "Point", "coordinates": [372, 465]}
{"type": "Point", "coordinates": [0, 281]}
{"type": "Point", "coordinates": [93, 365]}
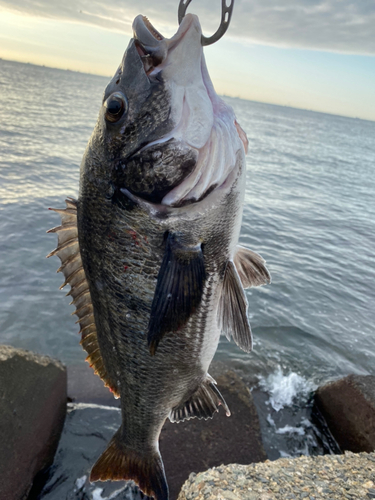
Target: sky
{"type": "Point", "coordinates": [310, 54]}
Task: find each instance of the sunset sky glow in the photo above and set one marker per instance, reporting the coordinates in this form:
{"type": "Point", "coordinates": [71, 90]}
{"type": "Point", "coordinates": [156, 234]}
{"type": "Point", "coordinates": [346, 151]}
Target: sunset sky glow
{"type": "Point", "coordinates": [317, 55]}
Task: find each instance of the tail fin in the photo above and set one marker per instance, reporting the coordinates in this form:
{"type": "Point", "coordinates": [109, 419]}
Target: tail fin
{"type": "Point", "coordinates": [118, 463]}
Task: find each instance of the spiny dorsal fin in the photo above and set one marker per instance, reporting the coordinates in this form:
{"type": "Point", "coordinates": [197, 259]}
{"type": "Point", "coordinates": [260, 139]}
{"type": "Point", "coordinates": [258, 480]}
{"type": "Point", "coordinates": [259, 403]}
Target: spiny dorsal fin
{"type": "Point", "coordinates": [119, 463]}
{"type": "Point", "coordinates": [251, 268]}
{"type": "Point", "coordinates": [178, 290]}
{"type": "Point", "coordinates": [232, 310]}
{"type": "Point", "coordinates": [71, 266]}
{"type": "Point", "coordinates": [203, 403]}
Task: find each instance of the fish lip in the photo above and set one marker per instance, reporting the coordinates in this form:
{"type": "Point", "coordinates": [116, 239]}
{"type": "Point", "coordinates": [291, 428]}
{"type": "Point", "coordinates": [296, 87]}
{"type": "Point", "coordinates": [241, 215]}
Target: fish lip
{"type": "Point", "coordinates": [154, 32]}
{"type": "Point", "coordinates": [189, 21]}
{"type": "Point", "coordinates": [150, 43]}
{"type": "Point", "coordinates": [145, 33]}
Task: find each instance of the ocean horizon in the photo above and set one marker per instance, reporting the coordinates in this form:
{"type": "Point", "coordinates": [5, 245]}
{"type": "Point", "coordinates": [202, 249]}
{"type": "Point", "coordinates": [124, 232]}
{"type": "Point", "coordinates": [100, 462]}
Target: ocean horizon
{"type": "Point", "coordinates": [222, 95]}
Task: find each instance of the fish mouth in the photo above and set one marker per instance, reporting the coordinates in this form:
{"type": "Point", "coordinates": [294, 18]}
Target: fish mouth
{"type": "Point", "coordinates": [153, 48]}
{"type": "Point", "coordinates": [151, 29]}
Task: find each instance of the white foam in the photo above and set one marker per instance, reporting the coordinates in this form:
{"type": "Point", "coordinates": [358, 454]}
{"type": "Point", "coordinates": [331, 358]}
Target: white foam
{"type": "Point", "coordinates": [284, 454]}
{"type": "Point", "coordinates": [288, 429]}
{"type": "Point", "coordinates": [84, 406]}
{"type": "Point", "coordinates": [97, 494]}
{"type": "Point", "coordinates": [283, 389]}
{"type": "Point", "coordinates": [306, 423]}
{"type": "Point", "coordinates": [80, 482]}
{"type": "Point", "coordinates": [271, 421]}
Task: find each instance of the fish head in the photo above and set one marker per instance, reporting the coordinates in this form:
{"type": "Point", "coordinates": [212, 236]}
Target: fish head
{"type": "Point", "coordinates": [158, 132]}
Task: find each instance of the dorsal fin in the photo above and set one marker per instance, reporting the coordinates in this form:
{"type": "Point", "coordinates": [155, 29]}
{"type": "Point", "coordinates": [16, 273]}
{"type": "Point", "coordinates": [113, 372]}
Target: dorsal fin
{"type": "Point", "coordinates": [232, 310]}
{"type": "Point", "coordinates": [71, 266]}
{"type": "Point", "coordinates": [251, 268]}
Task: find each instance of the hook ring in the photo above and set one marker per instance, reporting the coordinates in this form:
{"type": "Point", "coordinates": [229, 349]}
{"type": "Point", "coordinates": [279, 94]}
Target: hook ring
{"type": "Point", "coordinates": [226, 14]}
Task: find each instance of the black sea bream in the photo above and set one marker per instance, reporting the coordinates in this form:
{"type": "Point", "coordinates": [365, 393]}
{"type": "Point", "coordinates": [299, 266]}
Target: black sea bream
{"type": "Point", "coordinates": [150, 246]}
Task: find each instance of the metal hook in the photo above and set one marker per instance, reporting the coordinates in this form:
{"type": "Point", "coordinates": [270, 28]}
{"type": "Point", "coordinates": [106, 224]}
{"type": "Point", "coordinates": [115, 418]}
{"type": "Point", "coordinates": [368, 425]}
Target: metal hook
{"type": "Point", "coordinates": [226, 14]}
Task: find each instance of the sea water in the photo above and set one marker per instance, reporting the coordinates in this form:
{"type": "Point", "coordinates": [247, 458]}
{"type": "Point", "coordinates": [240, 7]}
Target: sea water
{"type": "Point", "coordinates": [309, 211]}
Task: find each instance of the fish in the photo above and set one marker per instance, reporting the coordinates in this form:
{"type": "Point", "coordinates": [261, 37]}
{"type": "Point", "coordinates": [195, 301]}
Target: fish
{"type": "Point", "coordinates": [150, 246]}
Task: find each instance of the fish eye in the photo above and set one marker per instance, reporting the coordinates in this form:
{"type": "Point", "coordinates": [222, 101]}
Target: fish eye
{"type": "Point", "coordinates": [115, 106]}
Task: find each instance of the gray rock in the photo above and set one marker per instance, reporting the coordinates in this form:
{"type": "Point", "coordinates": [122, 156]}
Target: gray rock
{"type": "Point", "coordinates": [352, 477]}
{"type": "Point", "coordinates": [86, 387]}
{"type": "Point", "coordinates": [348, 405]}
{"type": "Point", "coordinates": [195, 445]}
{"type": "Point", "coordinates": [32, 412]}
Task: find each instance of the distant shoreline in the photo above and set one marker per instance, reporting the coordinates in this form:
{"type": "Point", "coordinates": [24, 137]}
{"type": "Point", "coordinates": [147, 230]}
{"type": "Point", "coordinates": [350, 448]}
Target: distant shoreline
{"type": "Point", "coordinates": [222, 95]}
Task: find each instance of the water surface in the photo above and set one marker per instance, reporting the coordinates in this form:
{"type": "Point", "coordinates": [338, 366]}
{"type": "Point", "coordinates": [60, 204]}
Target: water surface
{"type": "Point", "coordinates": [309, 211]}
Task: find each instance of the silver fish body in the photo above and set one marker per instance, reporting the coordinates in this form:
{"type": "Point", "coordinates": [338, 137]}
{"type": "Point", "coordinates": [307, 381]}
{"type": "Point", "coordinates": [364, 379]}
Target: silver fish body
{"type": "Point", "coordinates": [150, 246]}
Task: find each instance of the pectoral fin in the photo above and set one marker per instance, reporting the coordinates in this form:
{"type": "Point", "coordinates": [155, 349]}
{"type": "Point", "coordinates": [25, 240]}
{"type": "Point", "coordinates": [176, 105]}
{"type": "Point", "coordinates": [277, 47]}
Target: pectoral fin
{"type": "Point", "coordinates": [178, 290]}
{"type": "Point", "coordinates": [232, 311]}
{"type": "Point", "coordinates": [251, 268]}
{"type": "Point", "coordinates": [203, 403]}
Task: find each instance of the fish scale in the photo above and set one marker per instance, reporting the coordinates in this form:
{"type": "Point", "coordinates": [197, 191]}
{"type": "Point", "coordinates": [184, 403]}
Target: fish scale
{"type": "Point", "coordinates": [124, 333]}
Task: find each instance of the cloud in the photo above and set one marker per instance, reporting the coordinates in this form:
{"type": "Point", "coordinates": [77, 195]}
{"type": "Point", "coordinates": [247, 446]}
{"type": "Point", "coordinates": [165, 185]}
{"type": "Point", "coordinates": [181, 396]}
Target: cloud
{"type": "Point", "coordinates": [333, 25]}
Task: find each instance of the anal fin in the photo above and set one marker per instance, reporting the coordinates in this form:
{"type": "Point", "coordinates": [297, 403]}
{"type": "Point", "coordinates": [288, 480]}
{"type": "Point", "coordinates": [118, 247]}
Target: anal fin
{"type": "Point", "coordinates": [251, 268]}
{"type": "Point", "coordinates": [232, 311]}
{"type": "Point", "coordinates": [203, 403]}
{"type": "Point", "coordinates": [120, 463]}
